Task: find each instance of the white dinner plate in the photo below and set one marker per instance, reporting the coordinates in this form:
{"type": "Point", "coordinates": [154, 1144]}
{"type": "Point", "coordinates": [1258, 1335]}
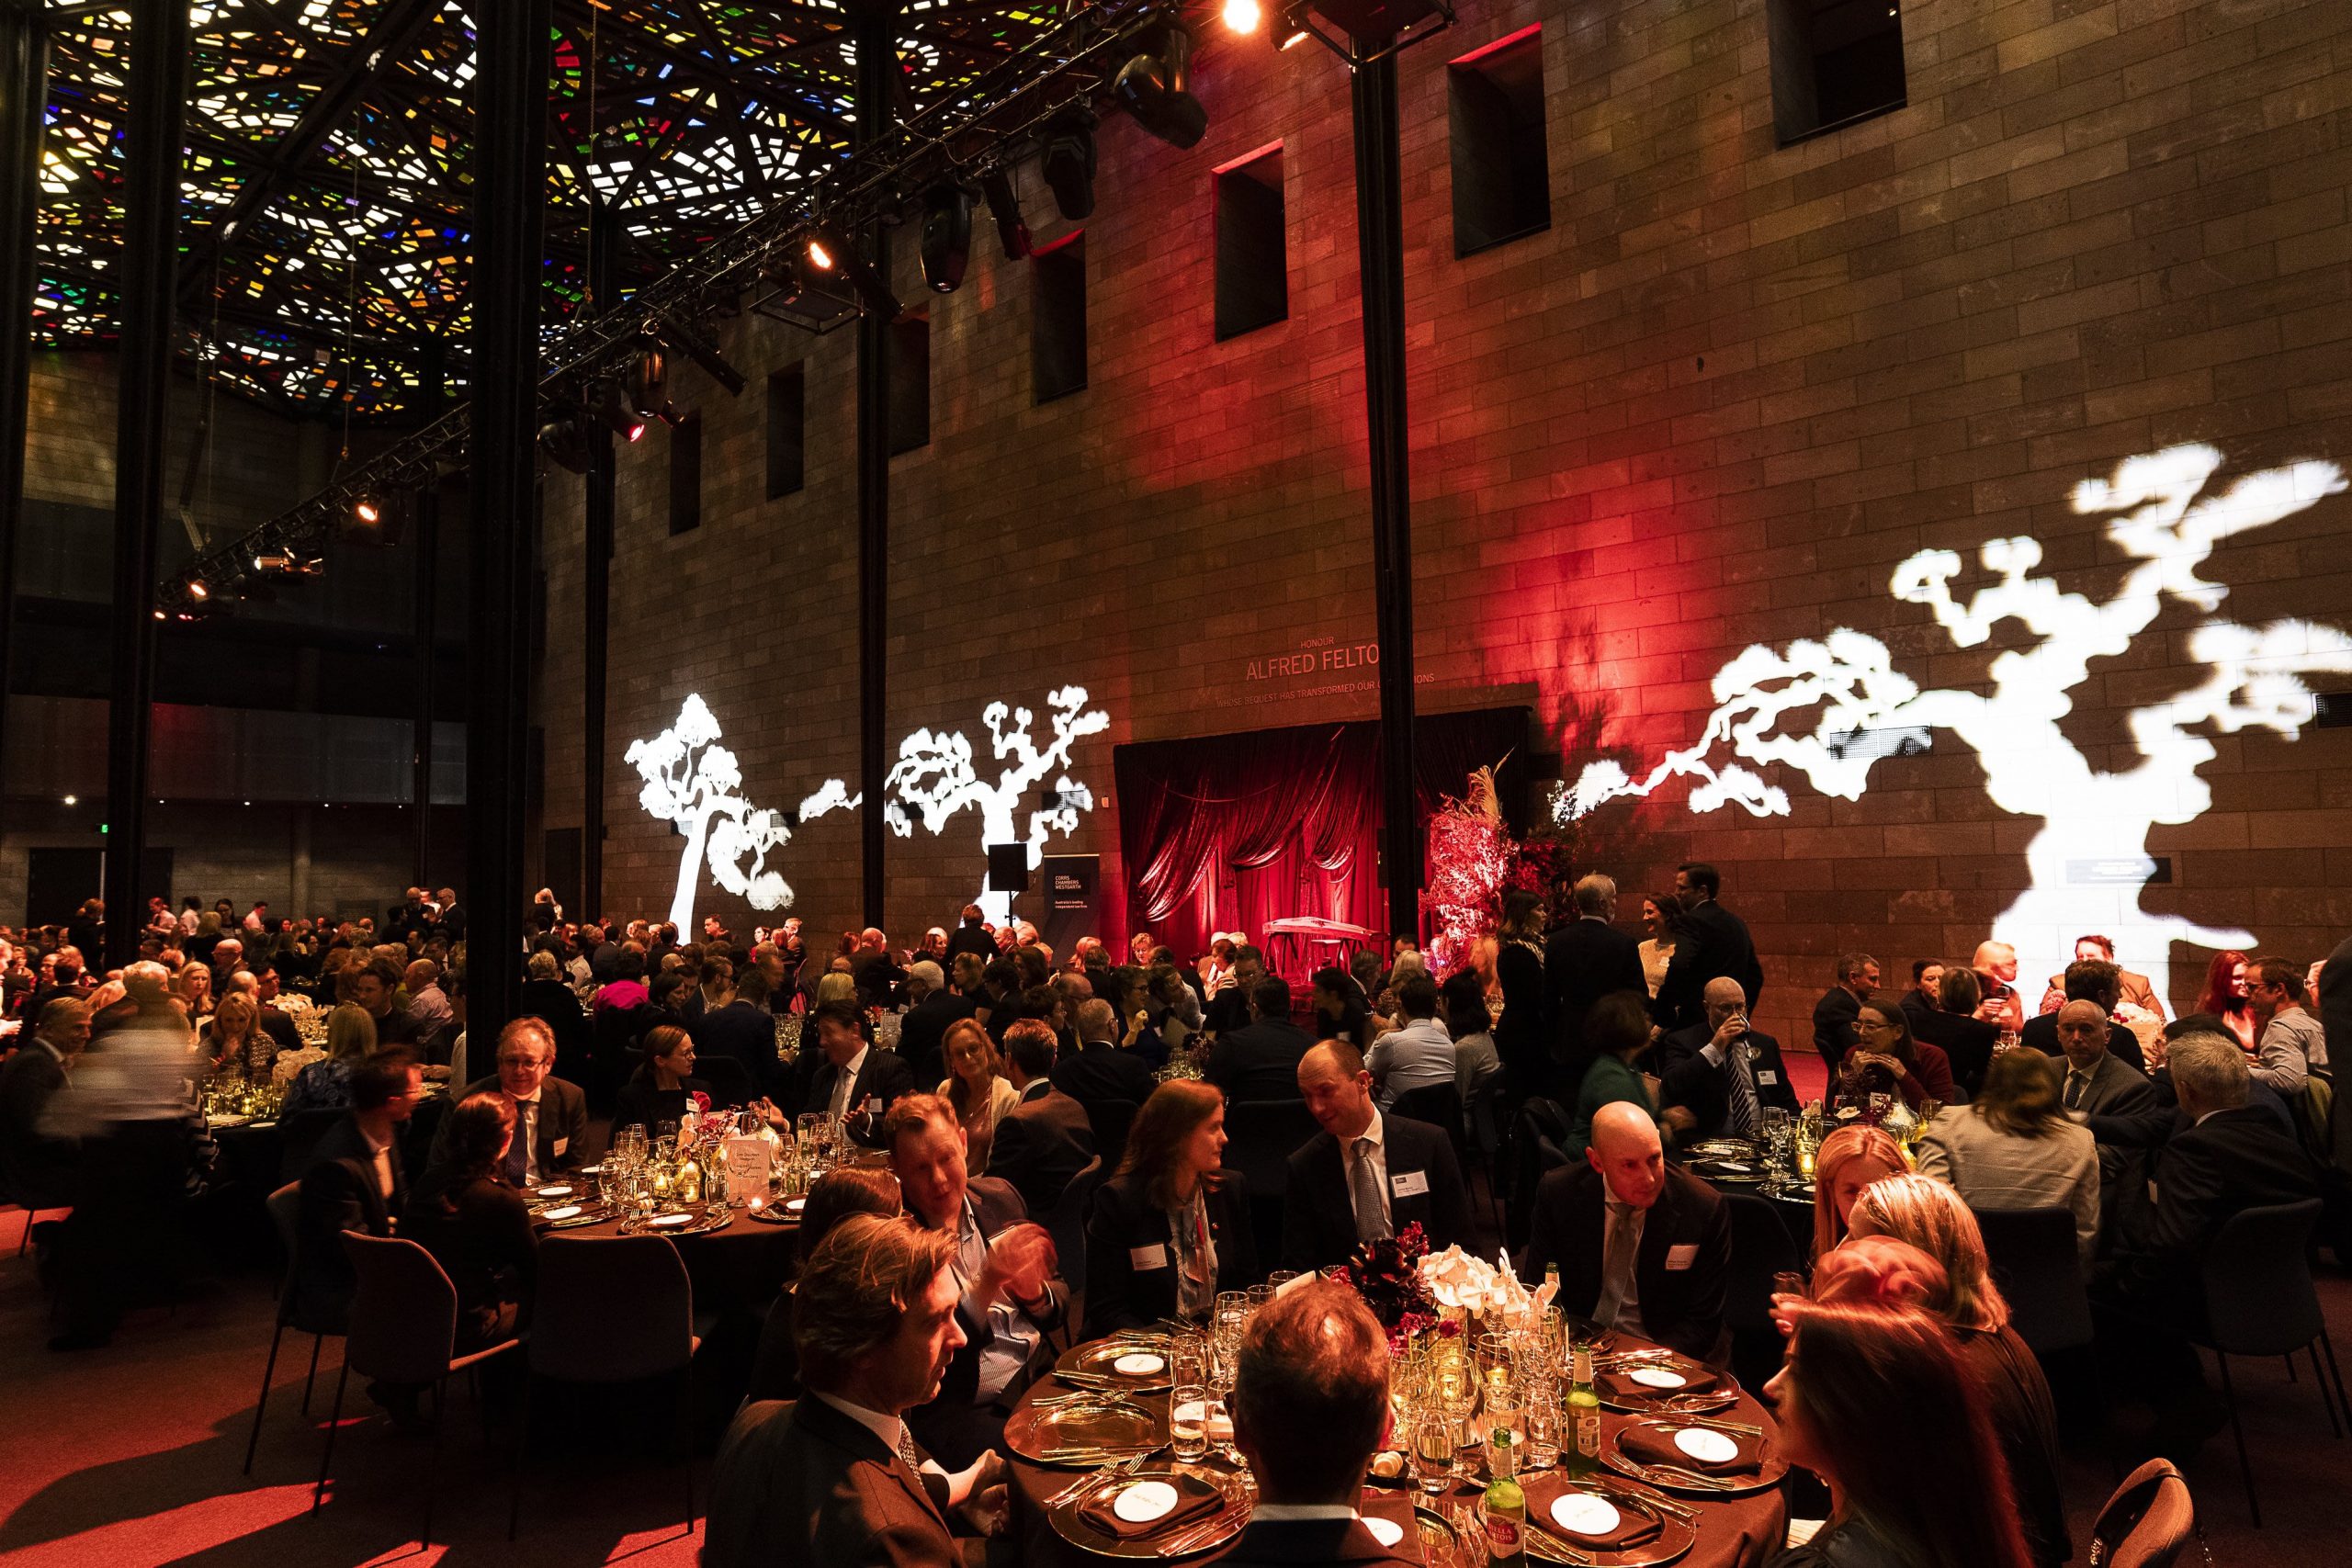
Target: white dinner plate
{"type": "Point", "coordinates": [1658, 1377]}
{"type": "Point", "coordinates": [1139, 1364]}
{"type": "Point", "coordinates": [1706, 1445]}
{"type": "Point", "coordinates": [564, 1214]}
{"type": "Point", "coordinates": [1145, 1501]}
{"type": "Point", "coordinates": [1581, 1512]}
{"type": "Point", "coordinates": [1389, 1532]}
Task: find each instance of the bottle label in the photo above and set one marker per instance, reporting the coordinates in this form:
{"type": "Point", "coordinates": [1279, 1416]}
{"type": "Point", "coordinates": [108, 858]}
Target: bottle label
{"type": "Point", "coordinates": [1580, 1365]}
{"type": "Point", "coordinates": [1588, 1433]}
{"type": "Point", "coordinates": [1502, 1535]}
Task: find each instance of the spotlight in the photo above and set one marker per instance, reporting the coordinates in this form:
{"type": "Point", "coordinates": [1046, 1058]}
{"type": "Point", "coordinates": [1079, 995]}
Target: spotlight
{"type": "Point", "coordinates": [290, 564]}
{"type": "Point", "coordinates": [609, 404]}
{"type": "Point", "coordinates": [197, 591]}
{"type": "Point", "coordinates": [1243, 15]}
{"type": "Point", "coordinates": [1012, 231]}
{"type": "Point", "coordinates": [567, 438]}
{"type": "Point", "coordinates": [947, 235]}
{"type": "Point", "coordinates": [1292, 32]}
{"type": "Point", "coordinates": [1151, 88]}
{"type": "Point", "coordinates": [368, 509]}
{"type": "Point", "coordinates": [377, 517]}
{"type": "Point", "coordinates": [829, 252]}
{"type": "Point", "coordinates": [820, 254]}
{"type": "Point", "coordinates": [1067, 160]}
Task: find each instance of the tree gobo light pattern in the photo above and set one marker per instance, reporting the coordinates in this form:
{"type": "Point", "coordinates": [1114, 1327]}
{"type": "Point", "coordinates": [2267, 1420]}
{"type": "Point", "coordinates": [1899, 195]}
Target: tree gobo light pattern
{"type": "Point", "coordinates": [2089, 861]}
{"type": "Point", "coordinates": [691, 781]}
{"type": "Point", "coordinates": [935, 778]}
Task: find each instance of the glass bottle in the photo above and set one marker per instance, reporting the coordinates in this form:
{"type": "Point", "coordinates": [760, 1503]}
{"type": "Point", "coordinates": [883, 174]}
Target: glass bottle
{"type": "Point", "coordinates": [1580, 1453]}
{"type": "Point", "coordinates": [1505, 1505]}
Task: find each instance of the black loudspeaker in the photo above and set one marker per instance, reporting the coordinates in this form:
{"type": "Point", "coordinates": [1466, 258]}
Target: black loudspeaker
{"type": "Point", "coordinates": [1008, 868]}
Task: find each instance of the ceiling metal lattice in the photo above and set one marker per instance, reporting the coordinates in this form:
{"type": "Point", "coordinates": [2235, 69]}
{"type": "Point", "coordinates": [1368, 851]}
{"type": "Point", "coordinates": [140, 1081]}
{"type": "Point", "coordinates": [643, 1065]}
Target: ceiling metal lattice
{"type": "Point", "coordinates": [325, 192]}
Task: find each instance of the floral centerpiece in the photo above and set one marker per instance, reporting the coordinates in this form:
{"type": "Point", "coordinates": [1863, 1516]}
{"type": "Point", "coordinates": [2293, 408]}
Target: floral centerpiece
{"type": "Point", "coordinates": [1388, 1275]}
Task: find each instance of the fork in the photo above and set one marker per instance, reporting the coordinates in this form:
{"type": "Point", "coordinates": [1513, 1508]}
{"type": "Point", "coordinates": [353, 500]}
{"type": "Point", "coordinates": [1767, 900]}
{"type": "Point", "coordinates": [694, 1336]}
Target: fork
{"type": "Point", "coordinates": [1193, 1537]}
{"type": "Point", "coordinates": [1118, 1472]}
{"type": "Point", "coordinates": [1681, 1477]}
{"type": "Point", "coordinates": [1647, 1496]}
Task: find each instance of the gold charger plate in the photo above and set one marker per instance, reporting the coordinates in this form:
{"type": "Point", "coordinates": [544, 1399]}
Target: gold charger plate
{"type": "Point", "coordinates": [690, 1222]}
{"type": "Point", "coordinates": [1064, 1517]}
{"type": "Point", "coordinates": [1040, 1433]}
{"type": "Point", "coordinates": [1706, 1392]}
{"type": "Point", "coordinates": [1093, 1364]}
{"type": "Point", "coordinates": [1766, 1476]}
{"type": "Point", "coordinates": [1675, 1537]}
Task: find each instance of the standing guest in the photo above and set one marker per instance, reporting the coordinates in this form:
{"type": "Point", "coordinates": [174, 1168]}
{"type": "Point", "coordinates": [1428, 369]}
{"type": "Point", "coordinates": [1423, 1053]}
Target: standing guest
{"type": "Point", "coordinates": [550, 1115]}
{"type": "Point", "coordinates": [2097, 982]}
{"type": "Point", "coordinates": [1365, 1177]}
{"type": "Point", "coordinates": [477, 1227]}
{"type": "Point", "coordinates": [1618, 1030]}
{"type": "Point", "coordinates": [356, 1181]}
{"type": "Point", "coordinates": [1585, 960]}
{"type": "Point", "coordinates": [1417, 1054]}
{"type": "Point", "coordinates": [1641, 1246]}
{"type": "Point", "coordinates": [1259, 1060]}
{"type": "Point", "coordinates": [662, 1085]}
{"type": "Point", "coordinates": [1310, 1406]}
{"type": "Point", "coordinates": [546, 996]}
{"type": "Point", "coordinates": [971, 935]}
{"type": "Point", "coordinates": [1724, 1087]}
{"type": "Point", "coordinates": [327, 1085]}
{"type": "Point", "coordinates": [1520, 1038]}
{"type": "Point", "coordinates": [1462, 1003]}
{"type": "Point", "coordinates": [1936, 1226]}
{"type": "Point", "coordinates": [1890, 1061]}
{"type": "Point", "coordinates": [2000, 1005]}
{"type": "Point", "coordinates": [1099, 1072]}
{"type": "Point", "coordinates": [37, 1167]}
{"type": "Point", "coordinates": [1172, 1229]}
{"type": "Point", "coordinates": [1659, 912]}
{"type": "Point", "coordinates": [1228, 1006]}
{"type": "Point", "coordinates": [1013, 1297]}
{"type": "Point", "coordinates": [1711, 941]}
{"type": "Point", "coordinates": [825, 1482]}
{"type": "Point", "coordinates": [2291, 1043]}
{"type": "Point", "coordinates": [233, 1043]}
{"type": "Point", "coordinates": [1849, 1365]}
{"type": "Point", "coordinates": [924, 1027]}
{"type": "Point", "coordinates": [738, 1025]}
{"type": "Point", "coordinates": [1834, 1014]}
{"type": "Point", "coordinates": [1849, 1161]}
{"type": "Point", "coordinates": [2131, 990]}
{"type": "Point", "coordinates": [1966, 1039]}
{"type": "Point", "coordinates": [2015, 1148]}
{"type": "Point", "coordinates": [976, 1087]}
{"type": "Point", "coordinates": [1045, 1140]}
{"type": "Point", "coordinates": [2227, 997]}
{"type": "Point", "coordinates": [858, 1082]}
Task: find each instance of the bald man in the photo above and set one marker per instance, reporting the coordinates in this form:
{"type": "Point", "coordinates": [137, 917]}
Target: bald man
{"type": "Point", "coordinates": [1640, 1245]}
{"type": "Point", "coordinates": [1716, 1079]}
{"type": "Point", "coordinates": [1363, 1175]}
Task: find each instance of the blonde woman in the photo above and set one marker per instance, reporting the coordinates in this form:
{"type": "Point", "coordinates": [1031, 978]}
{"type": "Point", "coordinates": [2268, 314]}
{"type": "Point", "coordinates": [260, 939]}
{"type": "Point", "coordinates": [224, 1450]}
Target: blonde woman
{"type": "Point", "coordinates": [233, 1042]}
{"type": "Point", "coordinates": [975, 1087]}
{"type": "Point", "coordinates": [327, 1085]}
{"type": "Point", "coordinates": [192, 986]}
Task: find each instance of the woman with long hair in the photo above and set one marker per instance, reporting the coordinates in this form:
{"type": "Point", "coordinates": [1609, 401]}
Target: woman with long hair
{"type": "Point", "coordinates": [193, 987]}
{"type": "Point", "coordinates": [975, 1086]}
{"type": "Point", "coordinates": [1616, 1030]}
{"type": "Point", "coordinates": [1929, 1215]}
{"type": "Point", "coordinates": [1462, 1003]}
{"type": "Point", "coordinates": [1886, 1059]}
{"type": "Point", "coordinates": [1661, 911]}
{"type": "Point", "coordinates": [475, 1225]}
{"type": "Point", "coordinates": [233, 1042]}
{"type": "Point", "coordinates": [1172, 1229]}
{"type": "Point", "coordinates": [1849, 1161]}
{"type": "Point", "coordinates": [1519, 967]}
{"type": "Point", "coordinates": [327, 1085]}
{"type": "Point", "coordinates": [2228, 997]}
{"type": "Point", "coordinates": [2016, 1147]}
{"type": "Point", "coordinates": [663, 1083]}
{"type": "Point", "coordinates": [1852, 1367]}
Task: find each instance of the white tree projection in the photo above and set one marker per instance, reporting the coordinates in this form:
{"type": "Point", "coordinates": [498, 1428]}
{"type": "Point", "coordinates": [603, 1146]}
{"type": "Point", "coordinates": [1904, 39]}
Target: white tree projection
{"type": "Point", "coordinates": [935, 778]}
{"type": "Point", "coordinates": [692, 781]}
{"type": "Point", "coordinates": [2089, 861]}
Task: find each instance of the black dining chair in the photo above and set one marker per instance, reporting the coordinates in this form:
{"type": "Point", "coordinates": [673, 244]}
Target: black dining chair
{"type": "Point", "coordinates": [1260, 1136]}
{"type": "Point", "coordinates": [1110, 1119]}
{"type": "Point", "coordinates": [2038, 1268]}
{"type": "Point", "coordinates": [2146, 1521]}
{"type": "Point", "coordinates": [1067, 1224]}
{"type": "Point", "coordinates": [2259, 1301]}
{"type": "Point", "coordinates": [730, 1080]}
{"type": "Point", "coordinates": [1761, 1247]}
{"type": "Point", "coordinates": [302, 1131]}
{"type": "Point", "coordinates": [1438, 1104]}
{"type": "Point", "coordinates": [294, 1312]}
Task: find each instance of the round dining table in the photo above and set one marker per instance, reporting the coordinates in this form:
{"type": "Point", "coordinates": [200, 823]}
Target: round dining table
{"type": "Point", "coordinates": [743, 1264]}
{"type": "Point", "coordinates": [1732, 1531]}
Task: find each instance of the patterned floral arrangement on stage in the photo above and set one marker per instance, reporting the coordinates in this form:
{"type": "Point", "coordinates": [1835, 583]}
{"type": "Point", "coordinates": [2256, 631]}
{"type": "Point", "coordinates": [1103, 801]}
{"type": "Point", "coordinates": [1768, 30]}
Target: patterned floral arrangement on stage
{"type": "Point", "coordinates": [1469, 855]}
{"type": "Point", "coordinates": [1388, 1275]}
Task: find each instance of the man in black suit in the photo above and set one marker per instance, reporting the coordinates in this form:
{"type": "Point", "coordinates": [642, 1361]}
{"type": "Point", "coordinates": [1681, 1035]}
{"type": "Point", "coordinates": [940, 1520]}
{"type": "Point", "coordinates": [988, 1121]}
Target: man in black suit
{"type": "Point", "coordinates": [1640, 1245]}
{"type": "Point", "coordinates": [1709, 941]}
{"type": "Point", "coordinates": [1717, 1083]}
{"type": "Point", "coordinates": [2097, 982]}
{"type": "Point", "coordinates": [1834, 1014]}
{"type": "Point", "coordinates": [858, 1081]}
{"type": "Point", "coordinates": [2230, 1156]}
{"type": "Point", "coordinates": [38, 1165]}
{"type": "Point", "coordinates": [1259, 1060]}
{"type": "Point", "coordinates": [925, 1024]}
{"type": "Point", "coordinates": [357, 1182]}
{"type": "Point", "coordinates": [1012, 1298]}
{"type": "Point", "coordinates": [550, 1115]}
{"type": "Point", "coordinates": [2097, 1084]}
{"type": "Point", "coordinates": [1585, 961]}
{"type": "Point", "coordinates": [1927, 975]}
{"type": "Point", "coordinates": [1099, 1070]}
{"type": "Point", "coordinates": [1310, 1406]}
{"type": "Point", "coordinates": [1232, 1009]}
{"type": "Point", "coordinates": [740, 1027]}
{"type": "Point", "coordinates": [876, 1326]}
{"type": "Point", "coordinates": [1045, 1140]}
{"type": "Point", "coordinates": [1364, 1175]}
{"type": "Point", "coordinates": [971, 936]}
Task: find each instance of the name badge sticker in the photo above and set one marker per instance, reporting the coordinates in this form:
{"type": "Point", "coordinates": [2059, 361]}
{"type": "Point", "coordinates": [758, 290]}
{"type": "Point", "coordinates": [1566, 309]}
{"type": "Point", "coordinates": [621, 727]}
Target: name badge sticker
{"type": "Point", "coordinates": [562, 1144]}
{"type": "Point", "coordinates": [1766, 1076]}
{"type": "Point", "coordinates": [1681, 1257]}
{"type": "Point", "coordinates": [1141, 1258]}
{"type": "Point", "coordinates": [1410, 1184]}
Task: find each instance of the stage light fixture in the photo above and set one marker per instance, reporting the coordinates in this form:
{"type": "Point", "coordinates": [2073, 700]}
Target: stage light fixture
{"type": "Point", "coordinates": [946, 244]}
{"type": "Point", "coordinates": [565, 436]}
{"type": "Point", "coordinates": [1243, 15]}
{"type": "Point", "coordinates": [830, 252]}
{"type": "Point", "coordinates": [197, 591]}
{"type": "Point", "coordinates": [1151, 88]}
{"type": "Point", "coordinates": [368, 509]}
{"type": "Point", "coordinates": [1067, 160]}
{"type": "Point", "coordinates": [613, 407]}
{"type": "Point", "coordinates": [1292, 31]}
{"type": "Point", "coordinates": [1012, 230]}
{"type": "Point", "coordinates": [820, 253]}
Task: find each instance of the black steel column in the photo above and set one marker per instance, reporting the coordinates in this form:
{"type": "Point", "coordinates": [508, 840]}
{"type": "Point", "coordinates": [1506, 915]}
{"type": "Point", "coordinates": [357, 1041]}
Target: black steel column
{"type": "Point", "coordinates": [425, 590]}
{"type": "Point", "coordinates": [604, 236]}
{"type": "Point", "coordinates": [1380, 247]}
{"type": "Point", "coordinates": [150, 221]}
{"type": "Point", "coordinates": [24, 88]}
{"type": "Point", "coordinates": [510, 192]}
{"type": "Point", "coordinates": [877, 59]}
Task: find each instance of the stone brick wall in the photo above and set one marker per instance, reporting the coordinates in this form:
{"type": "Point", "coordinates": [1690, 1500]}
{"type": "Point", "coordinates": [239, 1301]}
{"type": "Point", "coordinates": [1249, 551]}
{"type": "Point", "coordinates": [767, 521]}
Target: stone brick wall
{"type": "Point", "coordinates": [1716, 405]}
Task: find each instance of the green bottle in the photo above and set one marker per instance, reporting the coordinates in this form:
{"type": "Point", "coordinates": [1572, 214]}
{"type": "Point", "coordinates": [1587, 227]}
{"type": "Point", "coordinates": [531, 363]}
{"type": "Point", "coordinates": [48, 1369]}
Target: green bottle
{"type": "Point", "coordinates": [1506, 1503]}
{"type": "Point", "coordinates": [1580, 1453]}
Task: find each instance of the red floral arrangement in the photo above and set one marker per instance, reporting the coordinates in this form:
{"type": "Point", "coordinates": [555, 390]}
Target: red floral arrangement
{"type": "Point", "coordinates": [702, 1102]}
{"type": "Point", "coordinates": [1388, 1275]}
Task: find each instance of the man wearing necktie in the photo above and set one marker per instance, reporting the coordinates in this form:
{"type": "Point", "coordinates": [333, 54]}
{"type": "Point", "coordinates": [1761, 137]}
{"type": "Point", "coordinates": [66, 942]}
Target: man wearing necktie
{"type": "Point", "coordinates": [1366, 1176]}
{"type": "Point", "coordinates": [2100, 1083]}
{"type": "Point", "coordinates": [550, 1115]}
{"type": "Point", "coordinates": [1717, 1083]}
{"type": "Point", "coordinates": [1641, 1246]}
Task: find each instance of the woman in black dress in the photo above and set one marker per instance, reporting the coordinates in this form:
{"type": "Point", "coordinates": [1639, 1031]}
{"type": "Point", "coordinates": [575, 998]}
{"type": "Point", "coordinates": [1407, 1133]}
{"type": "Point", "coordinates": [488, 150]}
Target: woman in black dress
{"type": "Point", "coordinates": [659, 1090]}
{"type": "Point", "coordinates": [1519, 967]}
{"type": "Point", "coordinates": [476, 1226]}
{"type": "Point", "coordinates": [1172, 1229]}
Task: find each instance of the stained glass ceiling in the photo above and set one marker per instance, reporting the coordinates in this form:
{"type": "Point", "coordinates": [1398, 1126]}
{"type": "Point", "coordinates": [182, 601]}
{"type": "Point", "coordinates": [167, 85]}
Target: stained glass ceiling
{"type": "Point", "coordinates": [325, 190]}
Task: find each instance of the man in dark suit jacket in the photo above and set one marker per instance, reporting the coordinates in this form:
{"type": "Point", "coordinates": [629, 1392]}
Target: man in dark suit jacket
{"type": "Point", "coordinates": [2094, 982]}
{"type": "Point", "coordinates": [37, 1167]}
{"type": "Point", "coordinates": [971, 936]}
{"type": "Point", "coordinates": [1834, 1014]}
{"type": "Point", "coordinates": [1585, 961]}
{"type": "Point", "coordinates": [2097, 1084]}
{"type": "Point", "coordinates": [825, 1480]}
{"type": "Point", "coordinates": [741, 1029]}
{"type": "Point", "coordinates": [1640, 1245]}
{"type": "Point", "coordinates": [1259, 1060]}
{"type": "Point", "coordinates": [1234, 1007]}
{"type": "Point", "coordinates": [1099, 1071]}
{"type": "Point", "coordinates": [550, 1115]}
{"type": "Point", "coordinates": [858, 1081]}
{"type": "Point", "coordinates": [1045, 1140]}
{"type": "Point", "coordinates": [1699, 1081]}
{"type": "Point", "coordinates": [1310, 1404]}
{"type": "Point", "coordinates": [1409, 1170]}
{"type": "Point", "coordinates": [925, 1024]}
{"type": "Point", "coordinates": [357, 1182]}
{"type": "Point", "coordinates": [1710, 940]}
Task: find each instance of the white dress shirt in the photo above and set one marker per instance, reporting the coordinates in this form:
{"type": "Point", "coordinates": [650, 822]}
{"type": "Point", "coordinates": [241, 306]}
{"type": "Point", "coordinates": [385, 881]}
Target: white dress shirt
{"type": "Point", "coordinates": [1012, 1338]}
{"type": "Point", "coordinates": [846, 1083]}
